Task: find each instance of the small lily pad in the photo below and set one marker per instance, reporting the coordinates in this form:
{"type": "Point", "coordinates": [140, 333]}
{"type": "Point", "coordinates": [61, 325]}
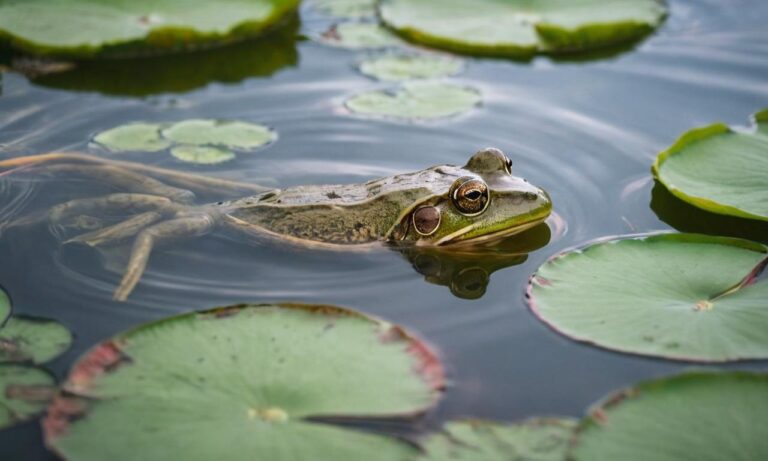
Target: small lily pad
{"type": "Point", "coordinates": [5, 307]}
{"type": "Point", "coordinates": [28, 339]}
{"type": "Point", "coordinates": [695, 416]}
{"type": "Point", "coordinates": [88, 28]}
{"type": "Point", "coordinates": [133, 137]}
{"type": "Point", "coordinates": [24, 393]}
{"type": "Point", "coordinates": [519, 28]}
{"type": "Point", "coordinates": [223, 133]}
{"type": "Point", "coordinates": [719, 170]}
{"type": "Point", "coordinates": [359, 35]}
{"type": "Point", "coordinates": [202, 155]}
{"type": "Point", "coordinates": [244, 382]}
{"type": "Point", "coordinates": [539, 439]}
{"type": "Point", "coordinates": [676, 296]}
{"type": "Point", "coordinates": [346, 8]}
{"type": "Point", "coordinates": [398, 67]}
{"type": "Point", "coordinates": [416, 100]}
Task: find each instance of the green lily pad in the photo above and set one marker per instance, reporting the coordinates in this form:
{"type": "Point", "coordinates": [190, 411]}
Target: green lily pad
{"type": "Point", "coordinates": [133, 137]}
{"type": "Point", "coordinates": [5, 307]}
{"type": "Point", "coordinates": [719, 170]}
{"type": "Point", "coordinates": [224, 133]}
{"type": "Point", "coordinates": [416, 100]}
{"type": "Point", "coordinates": [346, 8]}
{"type": "Point", "coordinates": [87, 28]}
{"type": "Point", "coordinates": [24, 393]}
{"type": "Point", "coordinates": [397, 67]}
{"type": "Point", "coordinates": [533, 440]}
{"type": "Point", "coordinates": [359, 35]}
{"type": "Point", "coordinates": [28, 339]}
{"type": "Point", "coordinates": [521, 28]}
{"type": "Point", "coordinates": [677, 296]}
{"type": "Point", "coordinates": [241, 383]}
{"type": "Point", "coordinates": [202, 155]}
{"type": "Point", "coordinates": [694, 416]}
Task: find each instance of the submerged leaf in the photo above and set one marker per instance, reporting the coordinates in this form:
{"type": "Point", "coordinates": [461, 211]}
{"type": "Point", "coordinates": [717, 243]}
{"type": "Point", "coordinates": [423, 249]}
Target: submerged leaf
{"type": "Point", "coordinates": [357, 35]}
{"type": "Point", "coordinates": [519, 28]}
{"type": "Point", "coordinates": [27, 339]}
{"type": "Point", "coordinates": [133, 137]}
{"type": "Point", "coordinates": [241, 383]}
{"type": "Point", "coordinates": [676, 296]}
{"type": "Point", "coordinates": [696, 416]}
{"type": "Point", "coordinates": [719, 170]}
{"type": "Point", "coordinates": [203, 155]}
{"type": "Point", "coordinates": [398, 67]}
{"type": "Point", "coordinates": [24, 393]}
{"type": "Point", "coordinates": [225, 133]}
{"type": "Point", "coordinates": [416, 100]}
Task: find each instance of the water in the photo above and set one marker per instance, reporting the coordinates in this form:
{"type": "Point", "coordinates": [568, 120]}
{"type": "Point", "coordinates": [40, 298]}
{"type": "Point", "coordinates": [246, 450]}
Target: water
{"type": "Point", "coordinates": [586, 131]}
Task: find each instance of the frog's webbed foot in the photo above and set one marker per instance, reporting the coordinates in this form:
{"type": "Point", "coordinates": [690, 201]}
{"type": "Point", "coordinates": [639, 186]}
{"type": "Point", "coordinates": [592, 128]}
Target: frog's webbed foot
{"type": "Point", "coordinates": [185, 225]}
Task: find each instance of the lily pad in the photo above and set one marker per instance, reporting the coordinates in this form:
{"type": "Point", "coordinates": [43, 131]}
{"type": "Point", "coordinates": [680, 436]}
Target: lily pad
{"type": "Point", "coordinates": [719, 170]}
{"type": "Point", "coordinates": [87, 28]}
{"type": "Point", "coordinates": [397, 67]}
{"type": "Point", "coordinates": [224, 133]}
{"type": "Point", "coordinates": [346, 8]}
{"type": "Point", "coordinates": [24, 393]}
{"type": "Point", "coordinates": [416, 100]}
{"type": "Point", "coordinates": [202, 155]}
{"type": "Point", "coordinates": [28, 339]}
{"type": "Point", "coordinates": [5, 307]}
{"type": "Point", "coordinates": [133, 137]}
{"type": "Point", "coordinates": [359, 35]}
{"type": "Point", "coordinates": [696, 416]}
{"type": "Point", "coordinates": [677, 296]}
{"type": "Point", "coordinates": [533, 440]}
{"type": "Point", "coordinates": [521, 28]}
{"type": "Point", "coordinates": [241, 383]}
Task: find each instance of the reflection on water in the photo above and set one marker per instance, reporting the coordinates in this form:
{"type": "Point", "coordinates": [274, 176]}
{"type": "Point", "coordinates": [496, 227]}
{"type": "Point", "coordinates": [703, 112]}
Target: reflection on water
{"type": "Point", "coordinates": [587, 132]}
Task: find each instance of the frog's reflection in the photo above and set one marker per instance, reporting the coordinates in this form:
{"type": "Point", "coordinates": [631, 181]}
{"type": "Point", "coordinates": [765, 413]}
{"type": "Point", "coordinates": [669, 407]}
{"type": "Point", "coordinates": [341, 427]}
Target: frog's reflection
{"type": "Point", "coordinates": [687, 218]}
{"type": "Point", "coordinates": [466, 271]}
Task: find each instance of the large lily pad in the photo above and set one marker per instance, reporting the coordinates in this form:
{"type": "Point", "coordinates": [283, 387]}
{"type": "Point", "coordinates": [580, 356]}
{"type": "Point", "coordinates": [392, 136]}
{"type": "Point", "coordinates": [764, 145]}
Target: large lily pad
{"type": "Point", "coordinates": [719, 170]}
{"type": "Point", "coordinates": [5, 307]}
{"type": "Point", "coordinates": [86, 28]}
{"type": "Point", "coordinates": [532, 440]}
{"type": "Point", "coordinates": [27, 339]}
{"type": "Point", "coordinates": [521, 28]}
{"type": "Point", "coordinates": [24, 393]}
{"type": "Point", "coordinates": [679, 296]}
{"type": "Point", "coordinates": [694, 416]}
{"type": "Point", "coordinates": [397, 67]}
{"type": "Point", "coordinates": [359, 35]}
{"type": "Point", "coordinates": [416, 100]}
{"type": "Point", "coordinates": [242, 383]}
{"type": "Point", "coordinates": [133, 137]}
{"type": "Point", "coordinates": [226, 133]}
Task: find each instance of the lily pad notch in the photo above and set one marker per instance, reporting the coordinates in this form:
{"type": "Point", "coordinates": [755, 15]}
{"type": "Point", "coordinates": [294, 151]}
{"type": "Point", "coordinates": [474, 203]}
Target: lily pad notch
{"type": "Point", "coordinates": [268, 376]}
{"type": "Point", "coordinates": [719, 170]}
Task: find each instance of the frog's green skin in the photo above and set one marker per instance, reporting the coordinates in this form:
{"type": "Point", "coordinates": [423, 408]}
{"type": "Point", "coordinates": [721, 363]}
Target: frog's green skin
{"type": "Point", "coordinates": [381, 210]}
{"type": "Point", "coordinates": [417, 209]}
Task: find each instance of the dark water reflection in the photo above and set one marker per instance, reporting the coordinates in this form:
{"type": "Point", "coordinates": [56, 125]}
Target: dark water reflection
{"type": "Point", "coordinates": [587, 132]}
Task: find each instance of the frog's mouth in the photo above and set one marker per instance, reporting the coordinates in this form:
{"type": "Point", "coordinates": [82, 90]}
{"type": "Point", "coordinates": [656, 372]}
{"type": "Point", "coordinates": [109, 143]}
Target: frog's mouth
{"type": "Point", "coordinates": [455, 237]}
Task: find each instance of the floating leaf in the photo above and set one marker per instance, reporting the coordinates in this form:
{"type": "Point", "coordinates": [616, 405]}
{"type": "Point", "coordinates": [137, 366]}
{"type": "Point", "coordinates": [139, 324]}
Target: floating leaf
{"type": "Point", "coordinates": [133, 137]}
{"type": "Point", "coordinates": [532, 440]}
{"type": "Point", "coordinates": [86, 28]}
{"type": "Point", "coordinates": [357, 35]}
{"type": "Point", "coordinates": [24, 393]}
{"type": "Point", "coordinates": [244, 382]}
{"type": "Point", "coordinates": [203, 155]}
{"type": "Point", "coordinates": [5, 307]}
{"type": "Point", "coordinates": [696, 416]}
{"type": "Point", "coordinates": [519, 28]}
{"type": "Point", "coordinates": [678, 296]}
{"type": "Point", "coordinates": [416, 100]}
{"type": "Point", "coordinates": [224, 133]}
{"type": "Point", "coordinates": [395, 67]}
{"type": "Point", "coordinates": [719, 170]}
{"type": "Point", "coordinates": [28, 339]}
{"type": "Point", "coordinates": [346, 8]}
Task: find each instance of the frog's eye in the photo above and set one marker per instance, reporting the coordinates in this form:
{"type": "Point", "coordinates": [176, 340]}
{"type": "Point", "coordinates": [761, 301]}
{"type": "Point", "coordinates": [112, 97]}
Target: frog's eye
{"type": "Point", "coordinates": [426, 220]}
{"type": "Point", "coordinates": [469, 196]}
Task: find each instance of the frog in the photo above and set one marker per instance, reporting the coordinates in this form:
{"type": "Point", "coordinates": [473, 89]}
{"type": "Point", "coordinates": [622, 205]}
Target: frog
{"type": "Point", "coordinates": [443, 206]}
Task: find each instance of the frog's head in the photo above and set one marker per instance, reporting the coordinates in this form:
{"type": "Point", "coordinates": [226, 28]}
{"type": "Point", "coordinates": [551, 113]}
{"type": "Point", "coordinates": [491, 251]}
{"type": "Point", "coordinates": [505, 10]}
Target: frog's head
{"type": "Point", "coordinates": [480, 201]}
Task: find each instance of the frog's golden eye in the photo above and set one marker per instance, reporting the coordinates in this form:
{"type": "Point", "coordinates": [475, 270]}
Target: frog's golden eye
{"type": "Point", "coordinates": [469, 196]}
{"type": "Point", "coordinates": [426, 220]}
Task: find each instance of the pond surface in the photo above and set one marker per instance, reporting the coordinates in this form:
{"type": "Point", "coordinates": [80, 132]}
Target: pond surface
{"type": "Point", "coordinates": [586, 131]}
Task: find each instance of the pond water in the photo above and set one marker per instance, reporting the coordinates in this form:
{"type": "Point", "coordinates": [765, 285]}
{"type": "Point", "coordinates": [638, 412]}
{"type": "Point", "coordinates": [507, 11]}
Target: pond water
{"type": "Point", "coordinates": [587, 131]}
